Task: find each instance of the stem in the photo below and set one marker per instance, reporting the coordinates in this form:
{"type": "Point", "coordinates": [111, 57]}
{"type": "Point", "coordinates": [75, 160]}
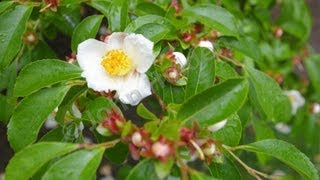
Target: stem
{"type": "Point", "coordinates": [183, 168]}
{"type": "Point", "coordinates": [161, 103]}
{"type": "Point", "coordinates": [230, 60]}
{"type": "Point", "coordinates": [195, 145]}
{"type": "Point", "coordinates": [76, 83]}
{"type": "Point", "coordinates": [253, 172]}
{"type": "Point", "coordinates": [106, 145]}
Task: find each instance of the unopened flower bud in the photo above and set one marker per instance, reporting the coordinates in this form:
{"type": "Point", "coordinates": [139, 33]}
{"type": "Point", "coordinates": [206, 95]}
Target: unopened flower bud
{"type": "Point", "coordinates": [283, 128]}
{"type": "Point", "coordinates": [217, 126]}
{"type": "Point", "coordinates": [315, 108]}
{"type": "Point", "coordinates": [103, 131]}
{"type": "Point", "coordinates": [278, 32]}
{"type": "Point", "coordinates": [172, 74]}
{"type": "Point", "coordinates": [137, 139]}
{"type": "Point", "coordinates": [30, 38]}
{"type": "Point", "coordinates": [206, 44]}
{"type": "Point", "coordinates": [160, 149]}
{"type": "Point", "coordinates": [296, 99]}
{"type": "Point", "coordinates": [180, 59]}
{"type": "Point", "coordinates": [209, 150]}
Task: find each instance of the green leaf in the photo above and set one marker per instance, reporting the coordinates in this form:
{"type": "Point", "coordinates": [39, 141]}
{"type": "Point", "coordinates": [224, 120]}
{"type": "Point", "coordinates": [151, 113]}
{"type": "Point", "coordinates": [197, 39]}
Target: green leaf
{"type": "Point", "coordinates": [201, 71]}
{"type": "Point", "coordinates": [231, 133]}
{"type": "Point", "coordinates": [117, 154]}
{"type": "Point", "coordinates": [67, 2]}
{"type": "Point", "coordinates": [214, 17]}
{"type": "Point", "coordinates": [26, 162]}
{"type": "Point", "coordinates": [118, 15]}
{"type": "Point", "coordinates": [12, 26]}
{"type": "Point", "coordinates": [96, 110]}
{"type": "Point", "coordinates": [225, 71]}
{"type": "Point", "coordinates": [196, 175]}
{"type": "Point", "coordinates": [144, 170]}
{"type": "Point", "coordinates": [30, 114]}
{"type": "Point", "coordinates": [215, 103]}
{"type": "Point", "coordinates": [101, 5]}
{"type": "Point", "coordinates": [151, 22]}
{"type": "Point", "coordinates": [87, 29]}
{"type": "Point", "coordinates": [286, 153]}
{"type": "Point", "coordinates": [44, 73]}
{"type": "Point", "coordinates": [146, 8]}
{"type": "Point", "coordinates": [5, 5]}
{"type": "Point", "coordinates": [145, 113]}
{"type": "Point", "coordinates": [273, 101]}
{"type": "Point", "coordinates": [312, 64]}
{"type": "Point", "coordinates": [225, 170]}
{"type": "Point", "coordinates": [55, 135]}
{"type": "Point", "coordinates": [7, 105]}
{"type": "Point", "coordinates": [80, 165]}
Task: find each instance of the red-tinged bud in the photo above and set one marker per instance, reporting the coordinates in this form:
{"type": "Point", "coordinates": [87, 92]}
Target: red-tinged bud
{"type": "Point", "coordinates": [177, 6]}
{"type": "Point", "coordinates": [134, 152]}
{"type": "Point", "coordinates": [114, 122]}
{"type": "Point", "coordinates": [278, 32]}
{"type": "Point", "coordinates": [51, 4]}
{"type": "Point", "coordinates": [186, 134]}
{"type": "Point", "coordinates": [198, 28]}
{"type": "Point", "coordinates": [162, 149]}
{"type": "Point", "coordinates": [209, 149]}
{"type": "Point", "coordinates": [137, 139]}
{"type": "Point", "coordinates": [72, 58]}
{"type": "Point", "coordinates": [226, 52]}
{"type": "Point", "coordinates": [172, 74]}
{"type": "Point", "coordinates": [188, 37]}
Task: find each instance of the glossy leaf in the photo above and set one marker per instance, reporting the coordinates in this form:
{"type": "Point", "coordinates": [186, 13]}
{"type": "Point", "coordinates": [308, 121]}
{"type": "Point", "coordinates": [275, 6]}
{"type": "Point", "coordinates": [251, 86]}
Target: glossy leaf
{"type": "Point", "coordinates": [80, 165]}
{"type": "Point", "coordinates": [96, 110]}
{"type": "Point", "coordinates": [286, 153]}
{"type": "Point", "coordinates": [225, 71]}
{"type": "Point", "coordinates": [214, 17]}
{"type": "Point", "coordinates": [215, 103]}
{"type": "Point", "coordinates": [87, 29]}
{"type": "Point", "coordinates": [201, 71]}
{"type": "Point", "coordinates": [12, 27]}
{"type": "Point", "coordinates": [31, 78]}
{"type": "Point", "coordinates": [30, 114]}
{"type": "Point", "coordinates": [26, 162]}
{"type": "Point", "coordinates": [5, 5]}
{"type": "Point", "coordinates": [225, 170]}
{"type": "Point", "coordinates": [231, 133]}
{"type": "Point", "coordinates": [146, 8]}
{"type": "Point", "coordinates": [273, 101]}
{"type": "Point", "coordinates": [117, 154]}
{"type": "Point", "coordinates": [144, 170]}
{"type": "Point", "coordinates": [118, 15]}
{"type": "Point", "coordinates": [145, 113]}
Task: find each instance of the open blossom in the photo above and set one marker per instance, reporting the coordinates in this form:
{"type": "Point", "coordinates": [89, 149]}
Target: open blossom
{"type": "Point", "coordinates": [118, 64]}
{"type": "Point", "coordinates": [180, 59]}
{"type": "Point", "coordinates": [296, 100]}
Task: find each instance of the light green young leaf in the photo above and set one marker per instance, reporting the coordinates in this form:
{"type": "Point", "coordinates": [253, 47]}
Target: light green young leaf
{"type": "Point", "coordinates": [25, 163]}
{"type": "Point", "coordinates": [86, 29]}
{"type": "Point", "coordinates": [44, 73]}
{"type": "Point", "coordinates": [273, 101]}
{"type": "Point", "coordinates": [231, 133]}
{"type": "Point", "coordinates": [214, 17]}
{"type": "Point", "coordinates": [215, 103]}
{"type": "Point", "coordinates": [144, 170]}
{"type": "Point", "coordinates": [201, 71]}
{"type": "Point", "coordinates": [286, 153]}
{"type": "Point", "coordinates": [12, 26]}
{"type": "Point", "coordinates": [80, 165]}
{"type": "Point", "coordinates": [5, 5]}
{"type": "Point", "coordinates": [145, 113]}
{"type": "Point", "coordinates": [30, 114]}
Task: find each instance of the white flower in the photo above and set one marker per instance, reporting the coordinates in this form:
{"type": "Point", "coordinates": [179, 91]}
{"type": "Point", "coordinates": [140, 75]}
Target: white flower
{"type": "Point", "coordinates": [283, 128]}
{"type": "Point", "coordinates": [206, 44]}
{"type": "Point", "coordinates": [315, 108]}
{"type": "Point", "coordinates": [180, 59]}
{"type": "Point", "coordinates": [217, 126]}
{"type": "Point", "coordinates": [296, 100]}
{"type": "Point", "coordinates": [118, 64]}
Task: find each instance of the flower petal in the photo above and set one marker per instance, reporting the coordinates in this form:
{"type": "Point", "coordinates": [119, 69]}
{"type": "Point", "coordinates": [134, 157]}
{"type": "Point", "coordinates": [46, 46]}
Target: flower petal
{"type": "Point", "coordinates": [180, 59]}
{"type": "Point", "coordinates": [89, 58]}
{"type": "Point", "coordinates": [134, 89]}
{"type": "Point", "coordinates": [140, 49]}
{"type": "Point", "coordinates": [116, 40]}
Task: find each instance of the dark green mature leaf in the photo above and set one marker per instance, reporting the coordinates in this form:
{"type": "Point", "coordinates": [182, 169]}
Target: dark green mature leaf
{"type": "Point", "coordinates": [118, 15]}
{"type": "Point", "coordinates": [214, 17]}
{"type": "Point", "coordinates": [225, 170]}
{"type": "Point", "coordinates": [4, 5]}
{"type": "Point", "coordinates": [87, 29]}
{"type": "Point", "coordinates": [196, 175]}
{"type": "Point", "coordinates": [144, 170]}
{"type": "Point", "coordinates": [96, 110]}
{"type": "Point", "coordinates": [80, 165]}
{"type": "Point", "coordinates": [55, 135]}
{"type": "Point", "coordinates": [117, 154]}
{"type": "Point", "coordinates": [295, 18]}
{"type": "Point", "coordinates": [44, 73]}
{"type": "Point", "coordinates": [273, 101]}
{"type": "Point", "coordinates": [67, 2]}
{"type": "Point", "coordinates": [231, 133]}
{"type": "Point", "coordinates": [201, 71]}
{"type": "Point", "coordinates": [146, 8]}
{"type": "Point", "coordinates": [312, 65]}
{"type": "Point", "coordinates": [215, 103]}
{"type": "Point", "coordinates": [224, 70]}
{"type": "Point", "coordinates": [30, 114]}
{"type": "Point", "coordinates": [101, 5]}
{"type": "Point", "coordinates": [66, 18]}
{"type": "Point", "coordinates": [286, 153]}
{"type": "Point", "coordinates": [12, 26]}
{"type": "Point", "coordinates": [147, 23]}
{"type": "Point", "coordinates": [7, 105]}
{"type": "Point", "coordinates": [26, 162]}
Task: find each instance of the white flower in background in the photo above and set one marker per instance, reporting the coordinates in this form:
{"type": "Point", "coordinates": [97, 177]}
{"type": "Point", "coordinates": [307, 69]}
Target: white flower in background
{"type": "Point", "coordinates": [217, 126]}
{"type": "Point", "coordinates": [51, 122]}
{"type": "Point", "coordinates": [296, 100]}
{"type": "Point", "coordinates": [283, 128]}
{"type": "Point", "coordinates": [315, 108]}
{"type": "Point", "coordinates": [118, 64]}
{"type": "Point", "coordinates": [206, 44]}
{"type": "Point", "coordinates": [180, 59]}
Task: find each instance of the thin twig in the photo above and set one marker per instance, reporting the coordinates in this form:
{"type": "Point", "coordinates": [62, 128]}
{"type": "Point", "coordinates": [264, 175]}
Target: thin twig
{"type": "Point", "coordinates": [108, 144]}
{"type": "Point", "coordinates": [161, 103]}
{"type": "Point", "coordinates": [183, 168]}
{"type": "Point", "coordinates": [230, 60]}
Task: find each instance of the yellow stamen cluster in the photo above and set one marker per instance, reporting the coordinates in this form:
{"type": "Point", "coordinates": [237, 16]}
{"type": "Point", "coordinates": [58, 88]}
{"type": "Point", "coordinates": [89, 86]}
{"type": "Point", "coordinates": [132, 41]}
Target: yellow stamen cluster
{"type": "Point", "coordinates": [116, 62]}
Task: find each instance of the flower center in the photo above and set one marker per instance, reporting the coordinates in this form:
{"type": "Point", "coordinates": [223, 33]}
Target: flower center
{"type": "Point", "coordinates": [116, 62]}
